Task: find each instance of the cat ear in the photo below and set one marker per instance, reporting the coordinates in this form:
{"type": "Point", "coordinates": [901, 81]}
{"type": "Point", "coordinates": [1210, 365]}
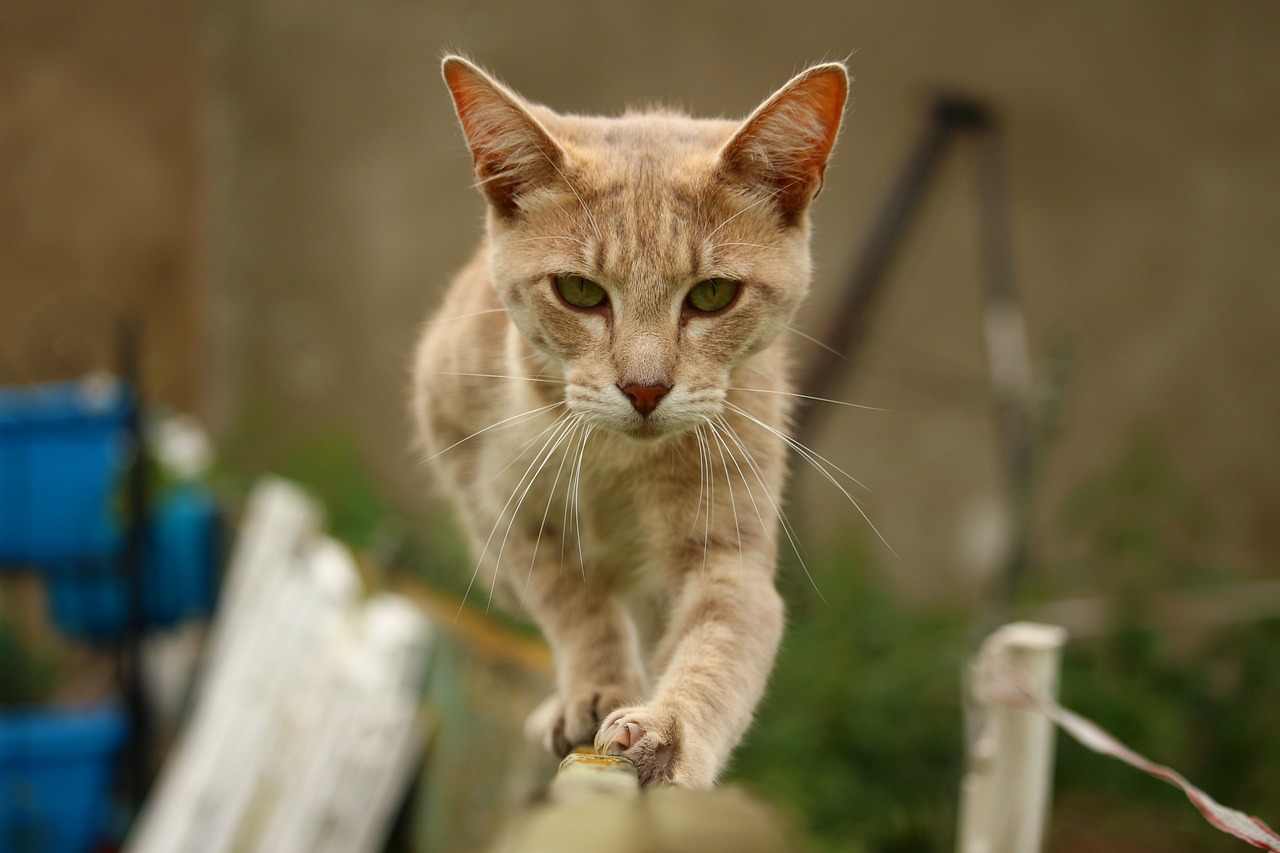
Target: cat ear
{"type": "Point", "coordinates": [513, 152]}
{"type": "Point", "coordinates": [783, 147]}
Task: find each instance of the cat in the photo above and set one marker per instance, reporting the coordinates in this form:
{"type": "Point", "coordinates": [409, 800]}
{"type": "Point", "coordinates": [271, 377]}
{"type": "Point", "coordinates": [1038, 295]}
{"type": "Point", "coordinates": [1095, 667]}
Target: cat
{"type": "Point", "coordinates": [603, 395]}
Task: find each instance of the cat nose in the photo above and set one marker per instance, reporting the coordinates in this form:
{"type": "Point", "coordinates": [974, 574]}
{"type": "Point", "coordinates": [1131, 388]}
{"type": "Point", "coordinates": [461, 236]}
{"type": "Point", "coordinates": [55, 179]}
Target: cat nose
{"type": "Point", "coordinates": [645, 398]}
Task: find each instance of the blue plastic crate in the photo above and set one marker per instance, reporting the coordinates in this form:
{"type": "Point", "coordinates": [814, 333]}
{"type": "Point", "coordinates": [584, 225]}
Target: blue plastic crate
{"type": "Point", "coordinates": [63, 448]}
{"type": "Point", "coordinates": [56, 771]}
{"type": "Point", "coordinates": [90, 598]}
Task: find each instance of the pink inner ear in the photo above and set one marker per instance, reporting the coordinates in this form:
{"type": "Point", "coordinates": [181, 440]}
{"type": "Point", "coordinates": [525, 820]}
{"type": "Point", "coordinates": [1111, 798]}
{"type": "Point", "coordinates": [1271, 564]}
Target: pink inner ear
{"type": "Point", "coordinates": [784, 147]}
{"type": "Point", "coordinates": [511, 150]}
{"type": "Point", "coordinates": [472, 97]}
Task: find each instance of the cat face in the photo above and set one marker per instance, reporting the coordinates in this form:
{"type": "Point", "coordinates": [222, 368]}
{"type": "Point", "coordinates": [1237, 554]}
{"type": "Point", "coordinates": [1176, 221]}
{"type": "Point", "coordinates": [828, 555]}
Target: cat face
{"type": "Point", "coordinates": [649, 255]}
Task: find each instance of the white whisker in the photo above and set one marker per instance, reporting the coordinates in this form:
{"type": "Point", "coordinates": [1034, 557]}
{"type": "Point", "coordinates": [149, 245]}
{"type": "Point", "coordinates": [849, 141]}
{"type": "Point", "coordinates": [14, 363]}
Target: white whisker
{"type": "Point", "coordinates": [546, 453]}
{"type": "Point", "coordinates": [518, 454]}
{"type": "Point", "coordinates": [815, 459]}
{"type": "Point", "coordinates": [751, 245]}
{"type": "Point", "coordinates": [733, 504]}
{"type": "Point", "coordinates": [577, 240]}
{"type": "Point", "coordinates": [811, 456]}
{"type": "Point", "coordinates": [485, 550]}
{"type": "Point", "coordinates": [523, 416]}
{"type": "Point", "coordinates": [576, 484]}
{"type": "Point", "coordinates": [754, 204]}
{"type": "Point", "coordinates": [574, 190]}
{"type": "Point", "coordinates": [435, 320]}
{"type": "Point", "coordinates": [777, 510]}
{"type": "Point", "coordinates": [576, 424]}
{"type": "Point", "coordinates": [807, 397]}
{"type": "Point", "coordinates": [704, 470]}
{"type": "Point", "coordinates": [811, 339]}
{"type": "Point", "coordinates": [501, 376]}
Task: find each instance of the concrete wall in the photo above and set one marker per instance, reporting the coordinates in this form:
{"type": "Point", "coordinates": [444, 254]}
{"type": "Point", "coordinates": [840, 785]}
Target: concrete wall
{"type": "Point", "coordinates": [100, 193]}
{"type": "Point", "coordinates": [1141, 146]}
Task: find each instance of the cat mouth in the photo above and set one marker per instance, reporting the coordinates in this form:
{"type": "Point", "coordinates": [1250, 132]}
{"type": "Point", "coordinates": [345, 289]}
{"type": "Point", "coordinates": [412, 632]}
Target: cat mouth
{"type": "Point", "coordinates": [655, 428]}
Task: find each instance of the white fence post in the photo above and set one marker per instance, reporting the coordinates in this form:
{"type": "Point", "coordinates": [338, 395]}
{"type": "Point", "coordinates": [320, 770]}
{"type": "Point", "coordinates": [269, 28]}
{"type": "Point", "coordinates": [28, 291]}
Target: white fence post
{"type": "Point", "coordinates": [1005, 793]}
{"type": "Point", "coordinates": [306, 728]}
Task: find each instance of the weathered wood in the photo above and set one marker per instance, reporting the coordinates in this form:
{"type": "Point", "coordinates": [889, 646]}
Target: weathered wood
{"type": "Point", "coordinates": [1005, 792]}
{"type": "Point", "coordinates": [306, 728]}
{"type": "Point", "coordinates": [595, 804]}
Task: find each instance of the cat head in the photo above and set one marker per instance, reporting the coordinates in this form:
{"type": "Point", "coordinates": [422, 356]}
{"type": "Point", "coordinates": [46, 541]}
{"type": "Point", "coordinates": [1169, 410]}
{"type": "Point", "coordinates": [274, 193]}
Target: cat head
{"type": "Point", "coordinates": [649, 254]}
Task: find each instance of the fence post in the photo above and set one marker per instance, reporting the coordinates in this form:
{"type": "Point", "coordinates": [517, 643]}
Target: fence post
{"type": "Point", "coordinates": [1005, 792]}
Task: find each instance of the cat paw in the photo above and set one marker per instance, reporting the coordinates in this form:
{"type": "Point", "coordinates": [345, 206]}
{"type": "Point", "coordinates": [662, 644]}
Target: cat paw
{"type": "Point", "coordinates": [560, 725]}
{"type": "Point", "coordinates": [654, 743]}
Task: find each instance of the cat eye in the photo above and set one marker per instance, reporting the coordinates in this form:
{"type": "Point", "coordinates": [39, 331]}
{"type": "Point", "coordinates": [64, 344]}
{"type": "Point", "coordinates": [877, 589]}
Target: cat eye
{"type": "Point", "coordinates": [580, 292]}
{"type": "Point", "coordinates": [713, 294]}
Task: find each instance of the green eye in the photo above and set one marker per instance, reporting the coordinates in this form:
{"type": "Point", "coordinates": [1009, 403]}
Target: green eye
{"type": "Point", "coordinates": [713, 294]}
{"type": "Point", "coordinates": [580, 292]}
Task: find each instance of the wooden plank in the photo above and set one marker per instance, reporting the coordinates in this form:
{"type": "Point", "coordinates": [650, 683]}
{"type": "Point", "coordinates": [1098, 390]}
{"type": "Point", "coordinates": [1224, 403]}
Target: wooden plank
{"type": "Point", "coordinates": [306, 729]}
{"type": "Point", "coordinates": [1005, 793]}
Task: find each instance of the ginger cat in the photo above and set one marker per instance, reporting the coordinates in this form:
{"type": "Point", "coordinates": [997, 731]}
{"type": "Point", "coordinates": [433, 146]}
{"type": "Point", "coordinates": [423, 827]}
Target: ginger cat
{"type": "Point", "coordinates": [604, 396]}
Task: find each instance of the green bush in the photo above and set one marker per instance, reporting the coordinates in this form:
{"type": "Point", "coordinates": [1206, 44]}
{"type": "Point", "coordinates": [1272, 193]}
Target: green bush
{"type": "Point", "coordinates": [861, 733]}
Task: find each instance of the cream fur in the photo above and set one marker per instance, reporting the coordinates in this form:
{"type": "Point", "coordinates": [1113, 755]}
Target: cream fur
{"type": "Point", "coordinates": [579, 509]}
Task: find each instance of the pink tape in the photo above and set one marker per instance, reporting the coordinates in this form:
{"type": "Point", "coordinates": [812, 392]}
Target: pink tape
{"type": "Point", "coordinates": [1010, 687]}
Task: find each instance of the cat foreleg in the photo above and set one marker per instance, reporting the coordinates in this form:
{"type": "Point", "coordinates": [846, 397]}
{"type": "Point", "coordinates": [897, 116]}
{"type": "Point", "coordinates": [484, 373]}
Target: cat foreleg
{"type": "Point", "coordinates": [718, 651]}
{"type": "Point", "coordinates": [595, 653]}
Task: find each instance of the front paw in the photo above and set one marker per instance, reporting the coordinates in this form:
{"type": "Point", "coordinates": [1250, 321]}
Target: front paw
{"type": "Point", "coordinates": [655, 743]}
{"type": "Point", "coordinates": [561, 725]}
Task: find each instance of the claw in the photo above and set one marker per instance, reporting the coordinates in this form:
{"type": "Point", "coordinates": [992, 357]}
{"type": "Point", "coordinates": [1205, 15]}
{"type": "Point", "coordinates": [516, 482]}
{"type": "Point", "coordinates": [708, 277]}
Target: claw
{"type": "Point", "coordinates": [617, 737]}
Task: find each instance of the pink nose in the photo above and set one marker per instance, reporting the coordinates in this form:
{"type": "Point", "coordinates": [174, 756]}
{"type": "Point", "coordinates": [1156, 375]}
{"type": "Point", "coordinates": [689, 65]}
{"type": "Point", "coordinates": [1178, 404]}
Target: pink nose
{"type": "Point", "coordinates": [645, 398]}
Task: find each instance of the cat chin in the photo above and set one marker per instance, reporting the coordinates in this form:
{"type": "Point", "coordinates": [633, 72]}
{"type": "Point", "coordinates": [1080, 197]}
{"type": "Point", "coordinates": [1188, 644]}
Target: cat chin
{"type": "Point", "coordinates": [650, 432]}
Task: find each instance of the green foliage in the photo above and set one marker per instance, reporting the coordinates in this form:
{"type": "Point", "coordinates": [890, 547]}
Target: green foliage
{"type": "Point", "coordinates": [1138, 526]}
{"type": "Point", "coordinates": [1204, 705]}
{"type": "Point", "coordinates": [29, 672]}
{"type": "Point", "coordinates": [860, 733]}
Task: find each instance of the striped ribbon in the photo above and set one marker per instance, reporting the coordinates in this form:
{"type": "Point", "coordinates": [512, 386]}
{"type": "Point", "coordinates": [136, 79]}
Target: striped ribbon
{"type": "Point", "coordinates": [1009, 686]}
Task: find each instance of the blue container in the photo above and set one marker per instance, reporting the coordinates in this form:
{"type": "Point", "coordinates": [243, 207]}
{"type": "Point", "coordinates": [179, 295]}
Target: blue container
{"type": "Point", "coordinates": [62, 450]}
{"type": "Point", "coordinates": [56, 770]}
{"type": "Point", "coordinates": [90, 598]}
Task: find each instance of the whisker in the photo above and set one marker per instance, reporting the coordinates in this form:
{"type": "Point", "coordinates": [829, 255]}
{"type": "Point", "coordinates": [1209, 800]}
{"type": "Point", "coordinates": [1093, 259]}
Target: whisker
{"type": "Point", "coordinates": [577, 240]}
{"type": "Point", "coordinates": [809, 454]}
{"type": "Point", "coordinates": [519, 451]}
{"type": "Point", "coordinates": [485, 550]}
{"type": "Point", "coordinates": [577, 509]}
{"type": "Point", "coordinates": [574, 190]}
{"type": "Point", "coordinates": [811, 339]}
{"type": "Point", "coordinates": [751, 245]}
{"type": "Point", "coordinates": [782, 519]}
{"type": "Point", "coordinates": [807, 397]}
{"type": "Point", "coordinates": [733, 504]}
{"type": "Point", "coordinates": [705, 472]}
{"type": "Point", "coordinates": [554, 442]}
{"type": "Point", "coordinates": [435, 320]}
{"type": "Point", "coordinates": [532, 413]}
{"type": "Point", "coordinates": [697, 510]}
{"type": "Point", "coordinates": [814, 459]}
{"type": "Point", "coordinates": [501, 376]}
{"type": "Point", "coordinates": [754, 204]}
{"type": "Point", "coordinates": [576, 424]}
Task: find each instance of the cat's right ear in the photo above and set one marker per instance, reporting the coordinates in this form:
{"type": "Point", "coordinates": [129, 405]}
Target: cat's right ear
{"type": "Point", "coordinates": [513, 153]}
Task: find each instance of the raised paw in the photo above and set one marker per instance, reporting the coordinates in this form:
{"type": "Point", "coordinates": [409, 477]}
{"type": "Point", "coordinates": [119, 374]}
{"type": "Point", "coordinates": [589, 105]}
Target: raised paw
{"type": "Point", "coordinates": [654, 742]}
{"type": "Point", "coordinates": [561, 725]}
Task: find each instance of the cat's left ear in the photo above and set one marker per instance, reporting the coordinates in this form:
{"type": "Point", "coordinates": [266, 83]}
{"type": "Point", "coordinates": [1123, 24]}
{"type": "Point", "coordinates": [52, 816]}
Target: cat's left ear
{"type": "Point", "coordinates": [784, 145]}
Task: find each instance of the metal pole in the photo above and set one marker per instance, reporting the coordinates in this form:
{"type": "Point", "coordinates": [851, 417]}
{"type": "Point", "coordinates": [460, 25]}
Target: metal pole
{"type": "Point", "coordinates": [844, 338]}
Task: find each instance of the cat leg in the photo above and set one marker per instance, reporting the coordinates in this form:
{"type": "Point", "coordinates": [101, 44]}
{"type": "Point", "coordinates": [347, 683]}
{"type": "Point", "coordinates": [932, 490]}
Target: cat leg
{"type": "Point", "coordinates": [718, 650]}
{"type": "Point", "coordinates": [595, 652]}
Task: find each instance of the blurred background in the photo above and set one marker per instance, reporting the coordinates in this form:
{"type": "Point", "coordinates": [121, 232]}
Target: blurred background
{"type": "Point", "coordinates": [278, 192]}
